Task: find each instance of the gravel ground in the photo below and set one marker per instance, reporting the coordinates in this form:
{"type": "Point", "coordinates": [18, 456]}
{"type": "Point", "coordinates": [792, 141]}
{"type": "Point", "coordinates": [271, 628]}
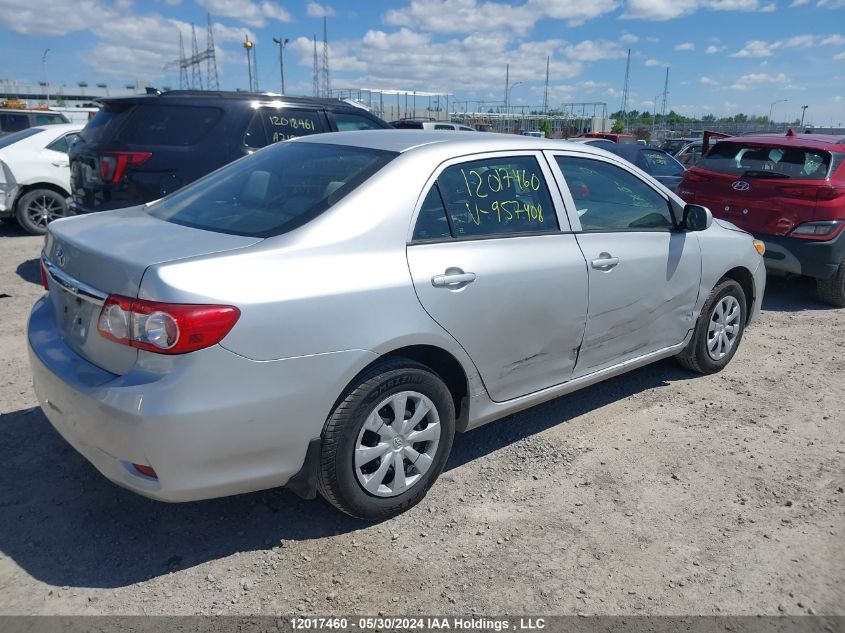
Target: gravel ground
{"type": "Point", "coordinates": [658, 492]}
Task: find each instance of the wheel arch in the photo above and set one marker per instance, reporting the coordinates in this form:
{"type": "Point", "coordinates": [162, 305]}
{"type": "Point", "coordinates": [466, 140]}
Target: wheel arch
{"type": "Point", "coordinates": [442, 363]}
{"type": "Point", "coordinates": [745, 279]}
{"type": "Point", "coordinates": [25, 189]}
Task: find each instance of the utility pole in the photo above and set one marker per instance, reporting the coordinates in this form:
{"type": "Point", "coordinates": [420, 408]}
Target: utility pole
{"type": "Point", "coordinates": [327, 86]}
{"type": "Point", "coordinates": [803, 110]}
{"type": "Point", "coordinates": [44, 67]}
{"type": "Point", "coordinates": [546, 91]}
{"type": "Point", "coordinates": [507, 84]}
{"type": "Point", "coordinates": [665, 97]}
{"type": "Point", "coordinates": [282, 43]}
{"type": "Point", "coordinates": [625, 91]}
{"type": "Point", "coordinates": [771, 107]}
{"type": "Point", "coordinates": [248, 47]}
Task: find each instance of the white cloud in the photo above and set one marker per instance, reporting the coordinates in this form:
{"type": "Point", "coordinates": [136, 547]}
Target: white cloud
{"type": "Point", "coordinates": [468, 16]}
{"type": "Point", "coordinates": [756, 48]}
{"type": "Point", "coordinates": [472, 65]}
{"type": "Point", "coordinates": [713, 49]}
{"type": "Point", "coordinates": [839, 57]}
{"type": "Point", "coordinates": [755, 79]}
{"type": "Point", "coordinates": [317, 10]}
{"type": "Point", "coordinates": [629, 38]}
{"type": "Point", "coordinates": [686, 46]}
{"type": "Point", "coordinates": [246, 11]}
{"type": "Point", "coordinates": [667, 9]}
{"type": "Point", "coordinates": [833, 40]}
{"type": "Point", "coordinates": [707, 81]}
{"type": "Point", "coordinates": [47, 17]}
{"type": "Point", "coordinates": [592, 51]}
{"type": "Point", "coordinates": [655, 62]}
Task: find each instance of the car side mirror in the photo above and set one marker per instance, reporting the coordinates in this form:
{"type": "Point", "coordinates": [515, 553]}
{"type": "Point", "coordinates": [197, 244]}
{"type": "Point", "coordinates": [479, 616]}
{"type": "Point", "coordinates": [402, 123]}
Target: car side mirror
{"type": "Point", "coordinates": [697, 218]}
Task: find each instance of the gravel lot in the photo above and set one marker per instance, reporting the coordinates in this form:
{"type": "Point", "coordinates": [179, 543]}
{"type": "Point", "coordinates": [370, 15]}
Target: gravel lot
{"type": "Point", "coordinates": [658, 492]}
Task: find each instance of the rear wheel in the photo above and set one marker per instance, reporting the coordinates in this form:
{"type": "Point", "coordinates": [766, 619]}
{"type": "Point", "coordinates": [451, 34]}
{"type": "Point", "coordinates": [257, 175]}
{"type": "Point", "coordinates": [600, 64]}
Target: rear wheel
{"type": "Point", "coordinates": [718, 331]}
{"type": "Point", "coordinates": [37, 208]}
{"type": "Point", "coordinates": [387, 441]}
{"type": "Point", "coordinates": [833, 290]}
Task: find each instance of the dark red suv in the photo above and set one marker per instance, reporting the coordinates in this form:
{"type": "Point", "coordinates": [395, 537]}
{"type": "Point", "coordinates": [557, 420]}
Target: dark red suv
{"type": "Point", "coordinates": [789, 191]}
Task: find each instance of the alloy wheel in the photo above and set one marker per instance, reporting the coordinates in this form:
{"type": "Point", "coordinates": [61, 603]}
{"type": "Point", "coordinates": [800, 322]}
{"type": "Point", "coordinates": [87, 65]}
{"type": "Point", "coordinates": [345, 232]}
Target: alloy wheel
{"type": "Point", "coordinates": [43, 209]}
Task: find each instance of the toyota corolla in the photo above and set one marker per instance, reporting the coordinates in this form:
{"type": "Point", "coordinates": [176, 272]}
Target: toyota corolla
{"type": "Point", "coordinates": [327, 313]}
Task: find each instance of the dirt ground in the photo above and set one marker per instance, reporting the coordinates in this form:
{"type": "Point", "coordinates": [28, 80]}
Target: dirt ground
{"type": "Point", "coordinates": [658, 492]}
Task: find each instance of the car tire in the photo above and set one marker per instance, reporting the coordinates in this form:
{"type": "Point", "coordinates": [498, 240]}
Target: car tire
{"type": "Point", "coordinates": [365, 424]}
{"type": "Point", "coordinates": [832, 290]}
{"type": "Point", "coordinates": [718, 331]}
{"type": "Point", "coordinates": [37, 208]}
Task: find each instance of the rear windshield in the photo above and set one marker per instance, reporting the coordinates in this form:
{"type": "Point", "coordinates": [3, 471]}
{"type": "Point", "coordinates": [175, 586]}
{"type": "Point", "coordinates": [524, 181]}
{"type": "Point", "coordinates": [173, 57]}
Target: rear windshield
{"type": "Point", "coordinates": [273, 191]}
{"type": "Point", "coordinates": [755, 161]}
{"type": "Point", "coordinates": [102, 127]}
{"type": "Point", "coordinates": [50, 119]}
{"type": "Point", "coordinates": [7, 140]}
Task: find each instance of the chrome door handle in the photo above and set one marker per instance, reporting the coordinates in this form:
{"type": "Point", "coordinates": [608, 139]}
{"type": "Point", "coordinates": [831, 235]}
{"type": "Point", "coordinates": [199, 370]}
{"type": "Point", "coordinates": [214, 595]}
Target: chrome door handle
{"type": "Point", "coordinates": [450, 280]}
{"type": "Point", "coordinates": [605, 263]}
{"type": "Point", "coordinates": [61, 164]}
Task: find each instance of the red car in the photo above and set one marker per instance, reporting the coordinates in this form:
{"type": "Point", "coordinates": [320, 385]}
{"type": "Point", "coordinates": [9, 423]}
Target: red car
{"type": "Point", "coordinates": [789, 191]}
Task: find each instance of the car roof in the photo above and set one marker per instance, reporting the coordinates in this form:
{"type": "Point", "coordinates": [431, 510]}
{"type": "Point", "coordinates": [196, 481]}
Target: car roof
{"type": "Point", "coordinates": [60, 128]}
{"type": "Point", "coordinates": [456, 142]}
{"type": "Point", "coordinates": [814, 141]}
{"type": "Point", "coordinates": [217, 95]}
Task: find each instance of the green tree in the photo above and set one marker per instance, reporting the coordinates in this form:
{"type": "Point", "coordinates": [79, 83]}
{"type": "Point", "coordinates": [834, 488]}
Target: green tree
{"type": "Point", "coordinates": [546, 129]}
{"type": "Point", "coordinates": [618, 127]}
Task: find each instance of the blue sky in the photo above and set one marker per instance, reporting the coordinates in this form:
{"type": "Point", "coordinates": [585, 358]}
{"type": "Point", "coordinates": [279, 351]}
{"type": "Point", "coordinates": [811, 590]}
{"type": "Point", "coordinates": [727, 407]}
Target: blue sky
{"type": "Point", "coordinates": [725, 56]}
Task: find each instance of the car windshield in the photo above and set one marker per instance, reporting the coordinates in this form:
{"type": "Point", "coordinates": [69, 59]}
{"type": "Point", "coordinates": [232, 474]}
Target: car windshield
{"type": "Point", "coordinates": [14, 137]}
{"type": "Point", "coordinates": [755, 161]}
{"type": "Point", "coordinates": [273, 191]}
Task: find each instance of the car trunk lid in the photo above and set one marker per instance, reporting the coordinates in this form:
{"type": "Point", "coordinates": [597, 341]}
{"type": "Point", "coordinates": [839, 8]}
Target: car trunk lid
{"type": "Point", "coordinates": [91, 257]}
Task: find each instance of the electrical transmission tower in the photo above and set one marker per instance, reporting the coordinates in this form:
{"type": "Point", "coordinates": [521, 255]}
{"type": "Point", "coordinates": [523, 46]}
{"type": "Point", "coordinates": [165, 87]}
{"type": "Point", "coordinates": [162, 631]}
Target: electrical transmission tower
{"type": "Point", "coordinates": [327, 88]}
{"type": "Point", "coordinates": [316, 70]}
{"type": "Point", "coordinates": [665, 96]}
{"type": "Point", "coordinates": [625, 90]}
{"type": "Point", "coordinates": [546, 90]}
{"type": "Point", "coordinates": [194, 62]}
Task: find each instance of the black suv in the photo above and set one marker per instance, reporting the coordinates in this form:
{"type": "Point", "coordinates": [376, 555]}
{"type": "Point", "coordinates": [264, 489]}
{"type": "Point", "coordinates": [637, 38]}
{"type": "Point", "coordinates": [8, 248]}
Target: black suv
{"type": "Point", "coordinates": [141, 148]}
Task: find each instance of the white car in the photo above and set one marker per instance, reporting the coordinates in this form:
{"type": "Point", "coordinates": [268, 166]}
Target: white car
{"type": "Point", "coordinates": [35, 175]}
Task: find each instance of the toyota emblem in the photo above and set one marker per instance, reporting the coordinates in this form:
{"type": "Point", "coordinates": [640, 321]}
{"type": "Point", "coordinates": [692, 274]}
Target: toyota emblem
{"type": "Point", "coordinates": [740, 185]}
{"type": "Point", "coordinates": [60, 256]}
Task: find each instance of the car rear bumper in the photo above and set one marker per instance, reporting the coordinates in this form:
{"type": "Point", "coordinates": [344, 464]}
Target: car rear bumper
{"type": "Point", "coordinates": [794, 256]}
{"type": "Point", "coordinates": [7, 200]}
{"type": "Point", "coordinates": [210, 423]}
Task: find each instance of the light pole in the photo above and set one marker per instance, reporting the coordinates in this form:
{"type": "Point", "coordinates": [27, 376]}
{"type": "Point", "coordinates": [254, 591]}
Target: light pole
{"type": "Point", "coordinates": [248, 47]}
{"type": "Point", "coordinates": [508, 102]}
{"type": "Point", "coordinates": [803, 110]}
{"type": "Point", "coordinates": [773, 104]}
{"type": "Point", "coordinates": [44, 67]}
{"type": "Point", "coordinates": [282, 43]}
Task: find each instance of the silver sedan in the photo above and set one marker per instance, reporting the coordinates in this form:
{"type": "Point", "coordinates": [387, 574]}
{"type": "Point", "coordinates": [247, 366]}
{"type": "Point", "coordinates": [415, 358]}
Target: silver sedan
{"type": "Point", "coordinates": [326, 313]}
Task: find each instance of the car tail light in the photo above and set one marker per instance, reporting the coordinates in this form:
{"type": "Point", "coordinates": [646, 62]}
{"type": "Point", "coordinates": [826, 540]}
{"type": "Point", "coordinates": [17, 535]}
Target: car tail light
{"type": "Point", "coordinates": [822, 193]}
{"type": "Point", "coordinates": [113, 164]}
{"type": "Point", "coordinates": [165, 328]}
{"type": "Point", "coordinates": [44, 276]}
{"type": "Point", "coordinates": [821, 231]}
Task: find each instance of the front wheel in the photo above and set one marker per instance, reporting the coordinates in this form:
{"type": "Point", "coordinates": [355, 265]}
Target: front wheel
{"type": "Point", "coordinates": [832, 290]}
{"type": "Point", "coordinates": [387, 440]}
{"type": "Point", "coordinates": [37, 208]}
{"type": "Point", "coordinates": [718, 331]}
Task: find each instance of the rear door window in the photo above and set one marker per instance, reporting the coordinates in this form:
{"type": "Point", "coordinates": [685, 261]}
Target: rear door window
{"type": "Point", "coordinates": [17, 136]}
{"type": "Point", "coordinates": [497, 197]}
{"type": "Point", "coordinates": [754, 161]}
{"type": "Point", "coordinates": [102, 127]}
{"type": "Point", "coordinates": [271, 125]}
{"type": "Point", "coordinates": [13, 121]}
{"type": "Point", "coordinates": [169, 125]}
{"type": "Point", "coordinates": [432, 223]}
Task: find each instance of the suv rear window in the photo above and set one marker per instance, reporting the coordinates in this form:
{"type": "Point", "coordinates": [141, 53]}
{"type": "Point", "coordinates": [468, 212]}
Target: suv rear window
{"type": "Point", "coordinates": [756, 161]}
{"type": "Point", "coordinates": [172, 125]}
{"type": "Point", "coordinates": [12, 122]}
{"type": "Point", "coordinates": [273, 191]}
